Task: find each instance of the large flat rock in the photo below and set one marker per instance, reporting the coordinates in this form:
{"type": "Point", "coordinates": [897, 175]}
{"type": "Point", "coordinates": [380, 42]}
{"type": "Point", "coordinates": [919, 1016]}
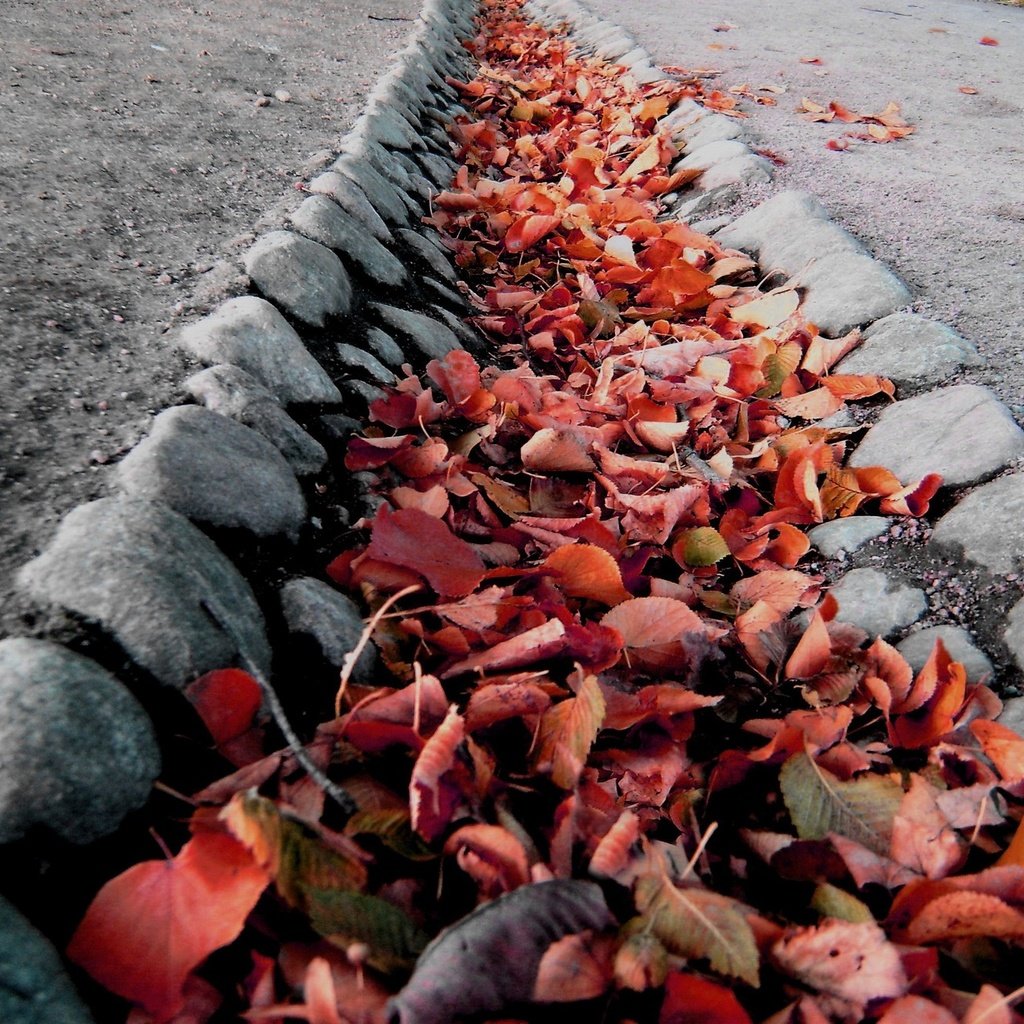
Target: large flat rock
{"type": "Point", "coordinates": [251, 333]}
{"type": "Point", "coordinates": [420, 333]}
{"type": "Point", "coordinates": [964, 433]}
{"type": "Point", "coordinates": [879, 605]}
{"type": "Point", "coordinates": [33, 986]}
{"type": "Point", "coordinates": [156, 583]}
{"type": "Point", "coordinates": [78, 749]}
{"type": "Point", "coordinates": [847, 534]}
{"type": "Point", "coordinates": [216, 471]}
{"type": "Point", "coordinates": [987, 526]}
{"type": "Point", "coordinates": [350, 197]}
{"type": "Point", "coordinates": [771, 218]}
{"type": "Point", "coordinates": [918, 646]}
{"type": "Point", "coordinates": [301, 276]}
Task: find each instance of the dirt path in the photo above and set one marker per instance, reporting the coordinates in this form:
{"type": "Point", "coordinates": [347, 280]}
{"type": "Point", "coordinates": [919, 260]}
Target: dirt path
{"type": "Point", "coordinates": [142, 141]}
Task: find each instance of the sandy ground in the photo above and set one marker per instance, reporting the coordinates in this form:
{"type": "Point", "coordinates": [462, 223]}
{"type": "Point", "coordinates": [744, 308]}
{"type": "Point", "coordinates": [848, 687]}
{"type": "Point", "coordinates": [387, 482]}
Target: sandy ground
{"type": "Point", "coordinates": [135, 154]}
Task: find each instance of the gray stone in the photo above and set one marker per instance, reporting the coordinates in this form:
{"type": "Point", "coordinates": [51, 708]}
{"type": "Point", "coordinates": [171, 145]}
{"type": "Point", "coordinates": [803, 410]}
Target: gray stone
{"type": "Point", "coordinates": [468, 336]}
{"type": "Point", "coordinates": [964, 433]}
{"type": "Point", "coordinates": [436, 292]}
{"type": "Point", "coordinates": [340, 427]}
{"type": "Point", "coordinates": [880, 606]}
{"type": "Point", "coordinates": [325, 222]}
{"type": "Point", "coordinates": [390, 128]}
{"type": "Point", "coordinates": [711, 154]}
{"type": "Point", "coordinates": [746, 169]}
{"type": "Point", "coordinates": [383, 196]}
{"type": "Point", "coordinates": [1012, 715]}
{"type": "Point", "coordinates": [33, 986]}
{"type": "Point", "coordinates": [428, 253]}
{"type": "Point", "coordinates": [230, 391]}
{"type": "Point", "coordinates": [712, 128]}
{"type": "Point", "coordinates": [360, 394]}
{"type": "Point", "coordinates": [156, 583]}
{"type": "Point", "coordinates": [615, 47]}
{"type": "Point", "coordinates": [988, 525]}
{"type": "Point", "coordinates": [683, 116]}
{"type": "Point", "coordinates": [631, 58]}
{"type": "Point", "coordinates": [251, 333]}
{"type": "Point", "coordinates": [847, 290]}
{"type": "Point", "coordinates": [710, 225]}
{"type": "Point", "coordinates": [77, 751]}
{"type": "Point", "coordinates": [363, 363]}
{"type": "Point", "coordinates": [303, 277]}
{"type": "Point", "coordinates": [350, 197]}
{"type": "Point", "coordinates": [782, 211]}
{"type": "Point", "coordinates": [917, 649]}
{"type": "Point", "coordinates": [694, 205]}
{"type": "Point", "coordinates": [1013, 635]}
{"type": "Point", "coordinates": [332, 619]}
{"type": "Point", "coordinates": [804, 242]}
{"type": "Point", "coordinates": [649, 74]}
{"type": "Point", "coordinates": [439, 170]}
{"type": "Point", "coordinates": [385, 348]}
{"type": "Point", "coordinates": [422, 333]}
{"type": "Point", "coordinates": [216, 471]}
{"type": "Point", "coordinates": [911, 351]}
{"type": "Point", "coordinates": [847, 534]}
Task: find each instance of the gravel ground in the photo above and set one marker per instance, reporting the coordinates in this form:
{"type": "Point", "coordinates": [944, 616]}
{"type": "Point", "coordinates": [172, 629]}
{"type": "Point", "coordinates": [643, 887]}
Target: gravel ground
{"type": "Point", "coordinates": [142, 141]}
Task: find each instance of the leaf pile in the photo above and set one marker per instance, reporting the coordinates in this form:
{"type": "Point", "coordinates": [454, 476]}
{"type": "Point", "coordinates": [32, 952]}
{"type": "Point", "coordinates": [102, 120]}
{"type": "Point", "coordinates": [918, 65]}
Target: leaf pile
{"type": "Point", "coordinates": [626, 755]}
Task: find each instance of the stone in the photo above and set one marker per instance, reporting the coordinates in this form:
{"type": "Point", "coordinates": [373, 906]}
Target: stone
{"type": "Point", "coordinates": [847, 534]}
{"type": "Point", "coordinates": [963, 432]}
{"type": "Point", "coordinates": [332, 619]}
{"type": "Point", "coordinates": [712, 128]}
{"type": "Point", "coordinates": [251, 333]}
{"type": "Point", "coordinates": [360, 394]}
{"type": "Point", "coordinates": [428, 253]}
{"type": "Point", "coordinates": [383, 196]}
{"type": "Point", "coordinates": [649, 74]}
{"type": "Point", "coordinates": [748, 231]}
{"type": "Point", "coordinates": [468, 336]}
{"type": "Point", "coordinates": [384, 347]}
{"type": "Point", "coordinates": [912, 351]}
{"type": "Point", "coordinates": [216, 471]}
{"type": "Point", "coordinates": [439, 170]}
{"type": "Point", "coordinates": [1013, 635]}
{"type": "Point", "coordinates": [388, 127]}
{"type": "Point", "coordinates": [1012, 715]}
{"type": "Point", "coordinates": [363, 363]}
{"type": "Point", "coordinates": [325, 222]}
{"type": "Point", "coordinates": [795, 246]}
{"type": "Point", "coordinates": [339, 428]}
{"type": "Point", "coordinates": [79, 751]}
{"type": "Point", "coordinates": [303, 277]}
{"type": "Point", "coordinates": [436, 292]}
{"type": "Point", "coordinates": [987, 525]}
{"type": "Point", "coordinates": [692, 206]}
{"type": "Point", "coordinates": [683, 116]}
{"type": "Point", "coordinates": [847, 290]}
{"type": "Point", "coordinates": [613, 48]}
{"type": "Point", "coordinates": [158, 585]}
{"type": "Point", "coordinates": [422, 333]}
{"type": "Point", "coordinates": [917, 649]}
{"type": "Point", "coordinates": [351, 198]}
{"type": "Point", "coordinates": [746, 169]}
{"type": "Point", "coordinates": [33, 986]}
{"type": "Point", "coordinates": [230, 391]}
{"type": "Point", "coordinates": [711, 154]}
{"type": "Point", "coordinates": [880, 606]}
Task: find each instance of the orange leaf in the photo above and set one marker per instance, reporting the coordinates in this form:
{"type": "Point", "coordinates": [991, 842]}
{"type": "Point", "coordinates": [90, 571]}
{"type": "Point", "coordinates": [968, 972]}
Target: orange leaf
{"type": "Point", "coordinates": [529, 230]}
{"type": "Point", "coordinates": [1002, 746]}
{"type": "Point", "coordinates": [916, 1010]}
{"type": "Point", "coordinates": [589, 572]}
{"type": "Point", "coordinates": [811, 654]}
{"type": "Point", "coordinates": [492, 856]}
{"type": "Point", "coordinates": [966, 914]}
{"type": "Point", "coordinates": [432, 797]}
{"type": "Point", "coordinates": [650, 621]}
{"type": "Point", "coordinates": [570, 971]}
{"type": "Point", "coordinates": [767, 311]}
{"type": "Point", "coordinates": [690, 999]}
{"type": "Point", "coordinates": [149, 927]}
{"type": "Point", "coordinates": [937, 694]}
{"type": "Point", "coordinates": [988, 41]}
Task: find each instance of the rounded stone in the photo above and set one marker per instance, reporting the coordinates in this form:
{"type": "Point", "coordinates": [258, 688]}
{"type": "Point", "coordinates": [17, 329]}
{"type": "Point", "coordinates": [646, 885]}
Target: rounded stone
{"type": "Point", "coordinates": [988, 525]}
{"type": "Point", "coordinates": [350, 197]}
{"type": "Point", "coordinates": [880, 606]}
{"type": "Point", "coordinates": [847, 534]}
{"type": "Point", "coordinates": [918, 646]}
{"type": "Point", "coordinates": [216, 471]}
{"type": "Point", "coordinates": [422, 333]}
{"type": "Point", "coordinates": [303, 277]}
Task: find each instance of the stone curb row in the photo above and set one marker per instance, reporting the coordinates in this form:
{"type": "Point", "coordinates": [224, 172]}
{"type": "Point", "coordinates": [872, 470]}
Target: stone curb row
{"type": "Point", "coordinates": [844, 287]}
{"type": "Point", "coordinates": [348, 291]}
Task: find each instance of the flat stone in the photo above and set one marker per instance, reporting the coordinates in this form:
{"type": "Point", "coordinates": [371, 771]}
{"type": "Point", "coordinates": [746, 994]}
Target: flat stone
{"type": "Point", "coordinates": [339, 427]}
{"type": "Point", "coordinates": [748, 231]}
{"type": "Point", "coordinates": [361, 394]}
{"type": "Point", "coordinates": [33, 986]}
{"type": "Point", "coordinates": [421, 333]}
{"type": "Point", "coordinates": [363, 363]}
{"type": "Point", "coordinates": [351, 198]}
{"type": "Point", "coordinates": [383, 196]}
{"type": "Point", "coordinates": [251, 333]}
{"type": "Point", "coordinates": [439, 170]}
{"type": "Point", "coordinates": [1013, 635]}
{"type": "Point", "coordinates": [428, 253]}
{"type": "Point", "coordinates": [1012, 715]}
{"type": "Point", "coordinates": [694, 205]}
{"type": "Point", "coordinates": [390, 128]}
{"type": "Point", "coordinates": [711, 154]}
{"type": "Point", "coordinates": [712, 128]}
{"type": "Point", "coordinates": [987, 525]}
{"type": "Point", "coordinates": [681, 118]}
{"type": "Point", "coordinates": [746, 169]}
{"type": "Point", "coordinates": [797, 245]}
{"type": "Point", "coordinates": [230, 391]}
{"type": "Point", "coordinates": [964, 433]}
{"type": "Point", "coordinates": [912, 351]}
{"type": "Point", "coordinates": [384, 347]}
{"type": "Point", "coordinates": [332, 619]}
{"type": "Point", "coordinates": [649, 74]}
{"type": "Point", "coordinates": [303, 277]}
{"type": "Point", "coordinates": [468, 336]}
{"type": "Point", "coordinates": [917, 649]}
{"type": "Point", "coordinates": [156, 583]}
{"type": "Point", "coordinates": [78, 750]}
{"type": "Point", "coordinates": [325, 222]}
{"type": "Point", "coordinates": [847, 534]}
{"type": "Point", "coordinates": [216, 471]}
{"type": "Point", "coordinates": [847, 290]}
{"type": "Point", "coordinates": [880, 606]}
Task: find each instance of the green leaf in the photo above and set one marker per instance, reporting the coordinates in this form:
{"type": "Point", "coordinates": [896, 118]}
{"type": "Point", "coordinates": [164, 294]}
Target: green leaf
{"type": "Point", "coordinates": [342, 918]}
{"type": "Point", "coordinates": [819, 803]}
{"type": "Point", "coordinates": [698, 923]}
{"type": "Point", "coordinates": [831, 901]}
{"type": "Point", "coordinates": [702, 546]}
{"type": "Point", "coordinates": [393, 827]}
{"type": "Point", "coordinates": [567, 732]}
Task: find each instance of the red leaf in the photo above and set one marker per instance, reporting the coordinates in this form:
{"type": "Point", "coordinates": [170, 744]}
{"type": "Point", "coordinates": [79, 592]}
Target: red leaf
{"type": "Point", "coordinates": [693, 1000]}
{"type": "Point", "coordinates": [227, 700]}
{"type": "Point", "coordinates": [988, 41]}
{"type": "Point", "coordinates": [149, 927]}
{"type": "Point", "coordinates": [414, 540]}
{"type": "Point", "coordinates": [529, 230]}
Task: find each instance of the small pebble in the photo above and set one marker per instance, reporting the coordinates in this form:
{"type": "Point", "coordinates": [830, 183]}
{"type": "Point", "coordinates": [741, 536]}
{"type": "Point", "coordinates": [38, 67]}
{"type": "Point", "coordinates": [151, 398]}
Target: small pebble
{"type": "Point", "coordinates": [263, 101]}
{"type": "Point", "coordinates": [283, 96]}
